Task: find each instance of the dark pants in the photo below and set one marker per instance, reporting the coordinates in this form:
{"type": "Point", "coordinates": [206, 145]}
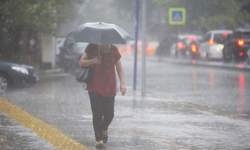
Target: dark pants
{"type": "Point", "coordinates": [103, 113]}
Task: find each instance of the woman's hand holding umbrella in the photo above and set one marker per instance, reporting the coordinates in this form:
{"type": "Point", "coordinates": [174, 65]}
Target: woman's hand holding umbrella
{"type": "Point", "coordinates": [98, 60]}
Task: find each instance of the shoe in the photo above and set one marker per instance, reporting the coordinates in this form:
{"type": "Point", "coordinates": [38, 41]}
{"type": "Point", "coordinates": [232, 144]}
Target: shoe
{"type": "Point", "coordinates": [105, 138]}
{"type": "Point", "coordinates": [99, 145]}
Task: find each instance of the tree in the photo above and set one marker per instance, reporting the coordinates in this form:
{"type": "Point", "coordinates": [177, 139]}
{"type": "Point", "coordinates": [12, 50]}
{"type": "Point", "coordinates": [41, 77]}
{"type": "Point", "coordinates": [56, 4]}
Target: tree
{"type": "Point", "coordinates": [245, 6]}
{"type": "Point", "coordinates": [21, 22]}
{"type": "Point", "coordinates": [208, 14]}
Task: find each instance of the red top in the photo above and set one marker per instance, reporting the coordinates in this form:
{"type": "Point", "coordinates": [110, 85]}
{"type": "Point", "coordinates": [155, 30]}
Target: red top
{"type": "Point", "coordinates": [104, 78]}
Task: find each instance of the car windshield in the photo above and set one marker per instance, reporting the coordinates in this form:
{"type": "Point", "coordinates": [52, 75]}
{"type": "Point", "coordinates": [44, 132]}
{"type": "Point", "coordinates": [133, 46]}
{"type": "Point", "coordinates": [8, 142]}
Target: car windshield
{"type": "Point", "coordinates": [220, 38]}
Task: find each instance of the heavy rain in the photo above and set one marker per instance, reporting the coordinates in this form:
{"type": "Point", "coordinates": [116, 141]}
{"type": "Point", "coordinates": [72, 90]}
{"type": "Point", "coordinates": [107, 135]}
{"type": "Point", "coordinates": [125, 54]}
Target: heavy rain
{"type": "Point", "coordinates": [178, 72]}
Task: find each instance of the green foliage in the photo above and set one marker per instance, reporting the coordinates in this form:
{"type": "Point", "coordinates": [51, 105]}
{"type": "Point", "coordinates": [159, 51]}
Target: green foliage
{"type": "Point", "coordinates": [208, 23]}
{"type": "Point", "coordinates": [208, 14]}
{"type": "Point", "coordinates": [40, 15]}
{"type": "Point", "coordinates": [245, 5]}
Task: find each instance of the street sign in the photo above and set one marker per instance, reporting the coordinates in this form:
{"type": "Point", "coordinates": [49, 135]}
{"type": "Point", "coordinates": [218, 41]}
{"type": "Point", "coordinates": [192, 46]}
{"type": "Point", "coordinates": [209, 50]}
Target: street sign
{"type": "Point", "coordinates": [177, 16]}
{"type": "Point", "coordinates": [223, 27]}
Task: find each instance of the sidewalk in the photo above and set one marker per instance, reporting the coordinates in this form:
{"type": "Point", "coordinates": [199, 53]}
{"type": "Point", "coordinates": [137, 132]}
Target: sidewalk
{"type": "Point", "coordinates": [14, 136]}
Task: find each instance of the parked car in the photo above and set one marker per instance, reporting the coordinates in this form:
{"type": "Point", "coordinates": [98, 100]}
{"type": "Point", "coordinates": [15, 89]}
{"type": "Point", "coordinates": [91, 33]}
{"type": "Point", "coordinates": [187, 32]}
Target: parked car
{"type": "Point", "coordinates": [16, 75]}
{"type": "Point", "coordinates": [70, 54]}
{"type": "Point", "coordinates": [212, 44]}
{"type": "Point", "coordinates": [237, 46]}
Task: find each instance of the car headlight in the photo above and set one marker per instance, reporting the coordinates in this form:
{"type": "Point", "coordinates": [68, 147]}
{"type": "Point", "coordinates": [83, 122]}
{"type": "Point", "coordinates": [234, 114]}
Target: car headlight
{"type": "Point", "coordinates": [20, 69]}
{"type": "Point", "coordinates": [221, 46]}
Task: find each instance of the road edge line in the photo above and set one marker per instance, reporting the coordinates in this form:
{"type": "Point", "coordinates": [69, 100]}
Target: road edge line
{"type": "Point", "coordinates": [50, 134]}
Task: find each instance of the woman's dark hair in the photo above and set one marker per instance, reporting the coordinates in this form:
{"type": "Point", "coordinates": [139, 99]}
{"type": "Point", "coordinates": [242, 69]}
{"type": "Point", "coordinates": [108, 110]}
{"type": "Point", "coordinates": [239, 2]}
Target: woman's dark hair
{"type": "Point", "coordinates": [94, 46]}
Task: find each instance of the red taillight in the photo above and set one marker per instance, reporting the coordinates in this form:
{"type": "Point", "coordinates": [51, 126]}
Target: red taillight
{"type": "Point", "coordinates": [211, 42]}
{"type": "Point", "coordinates": [149, 49]}
{"type": "Point", "coordinates": [225, 34]}
{"type": "Point", "coordinates": [129, 49]}
{"type": "Point", "coordinates": [191, 38]}
{"type": "Point", "coordinates": [241, 54]}
{"type": "Point", "coordinates": [193, 48]}
{"type": "Point", "coordinates": [180, 45]}
{"type": "Point", "coordinates": [139, 43]}
{"type": "Point", "coordinates": [240, 42]}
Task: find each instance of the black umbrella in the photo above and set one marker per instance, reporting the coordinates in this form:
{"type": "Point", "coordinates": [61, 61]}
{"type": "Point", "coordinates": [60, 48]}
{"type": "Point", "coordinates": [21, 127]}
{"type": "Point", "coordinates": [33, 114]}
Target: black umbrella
{"type": "Point", "coordinates": [100, 33]}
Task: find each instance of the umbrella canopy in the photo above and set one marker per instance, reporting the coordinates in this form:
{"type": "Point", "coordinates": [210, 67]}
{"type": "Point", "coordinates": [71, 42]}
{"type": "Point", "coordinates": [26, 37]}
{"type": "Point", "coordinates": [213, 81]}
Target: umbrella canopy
{"type": "Point", "coordinates": [100, 33]}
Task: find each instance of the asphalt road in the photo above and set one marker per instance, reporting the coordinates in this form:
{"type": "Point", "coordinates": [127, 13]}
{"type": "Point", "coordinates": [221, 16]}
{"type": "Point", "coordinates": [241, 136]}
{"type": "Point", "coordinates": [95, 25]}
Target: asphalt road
{"type": "Point", "coordinates": [224, 87]}
{"type": "Point", "coordinates": [185, 107]}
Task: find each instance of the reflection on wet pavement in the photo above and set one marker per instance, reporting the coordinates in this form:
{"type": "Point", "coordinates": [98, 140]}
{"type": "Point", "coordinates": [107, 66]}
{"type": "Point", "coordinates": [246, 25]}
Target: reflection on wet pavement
{"type": "Point", "coordinates": [179, 125]}
{"type": "Point", "coordinates": [194, 80]}
{"type": "Point", "coordinates": [183, 109]}
{"type": "Point", "coordinates": [241, 94]}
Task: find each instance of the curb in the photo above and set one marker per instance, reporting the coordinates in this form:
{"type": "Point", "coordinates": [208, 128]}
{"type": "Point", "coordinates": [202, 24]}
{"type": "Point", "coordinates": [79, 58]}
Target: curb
{"type": "Point", "coordinates": [240, 66]}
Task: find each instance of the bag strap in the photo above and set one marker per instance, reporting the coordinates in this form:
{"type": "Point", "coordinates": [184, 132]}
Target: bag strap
{"type": "Point", "coordinates": [92, 51]}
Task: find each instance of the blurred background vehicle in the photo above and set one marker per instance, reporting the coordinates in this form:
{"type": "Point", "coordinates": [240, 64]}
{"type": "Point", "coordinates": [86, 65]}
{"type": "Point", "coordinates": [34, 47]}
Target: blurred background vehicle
{"type": "Point", "coordinates": [237, 46]}
{"type": "Point", "coordinates": [151, 48]}
{"type": "Point", "coordinates": [70, 54]}
{"type": "Point", "coordinates": [187, 46]}
{"type": "Point", "coordinates": [212, 44]}
{"type": "Point", "coordinates": [16, 75]}
{"type": "Point", "coordinates": [164, 48]}
{"type": "Point", "coordinates": [194, 49]}
{"type": "Point", "coordinates": [129, 49]}
{"type": "Point", "coordinates": [180, 48]}
{"type": "Point", "coordinates": [139, 48]}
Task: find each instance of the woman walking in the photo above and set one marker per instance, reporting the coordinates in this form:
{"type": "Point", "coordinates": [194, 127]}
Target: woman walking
{"type": "Point", "coordinates": [102, 89]}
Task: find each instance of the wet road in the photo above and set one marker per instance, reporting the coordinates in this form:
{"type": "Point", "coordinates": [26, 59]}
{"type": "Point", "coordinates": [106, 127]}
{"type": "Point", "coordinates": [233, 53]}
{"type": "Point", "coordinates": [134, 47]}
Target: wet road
{"type": "Point", "coordinates": [186, 107]}
{"type": "Point", "coordinates": [224, 89]}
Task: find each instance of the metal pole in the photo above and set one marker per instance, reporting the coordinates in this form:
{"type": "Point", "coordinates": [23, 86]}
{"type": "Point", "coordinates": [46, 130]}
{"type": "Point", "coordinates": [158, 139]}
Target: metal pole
{"type": "Point", "coordinates": [144, 41]}
{"type": "Point", "coordinates": [136, 39]}
{"type": "Point", "coordinates": [53, 51]}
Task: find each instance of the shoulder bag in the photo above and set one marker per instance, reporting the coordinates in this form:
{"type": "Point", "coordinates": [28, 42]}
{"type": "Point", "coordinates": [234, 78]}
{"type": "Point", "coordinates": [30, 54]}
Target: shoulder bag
{"type": "Point", "coordinates": [85, 74]}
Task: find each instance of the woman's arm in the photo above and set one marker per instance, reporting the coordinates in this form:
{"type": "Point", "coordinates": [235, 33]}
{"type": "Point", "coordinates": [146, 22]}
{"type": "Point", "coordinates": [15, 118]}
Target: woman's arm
{"type": "Point", "coordinates": [120, 72]}
{"type": "Point", "coordinates": [85, 62]}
